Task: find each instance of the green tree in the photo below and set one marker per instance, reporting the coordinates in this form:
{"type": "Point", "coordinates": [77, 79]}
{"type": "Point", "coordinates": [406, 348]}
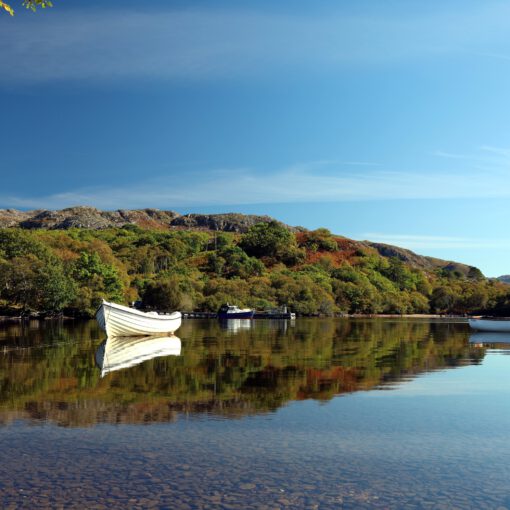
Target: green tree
{"type": "Point", "coordinates": [33, 284]}
{"type": "Point", "coordinates": [320, 239]}
{"type": "Point", "coordinates": [273, 241]}
{"type": "Point", "coordinates": [96, 280]}
{"type": "Point", "coordinates": [163, 295]}
{"type": "Point", "coordinates": [232, 262]}
{"type": "Point", "coordinates": [443, 299]}
{"type": "Point", "coordinates": [401, 275]}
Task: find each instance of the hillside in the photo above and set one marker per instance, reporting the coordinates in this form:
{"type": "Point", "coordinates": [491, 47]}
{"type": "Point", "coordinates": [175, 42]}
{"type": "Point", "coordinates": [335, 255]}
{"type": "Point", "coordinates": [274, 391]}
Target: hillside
{"type": "Point", "coordinates": [425, 263]}
{"type": "Point", "coordinates": [69, 260]}
{"type": "Point", "coordinates": [154, 219]}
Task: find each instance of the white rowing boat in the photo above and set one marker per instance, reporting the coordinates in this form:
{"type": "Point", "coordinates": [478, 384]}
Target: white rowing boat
{"type": "Point", "coordinates": [497, 325]}
{"type": "Point", "coordinates": [116, 353]}
{"type": "Point", "coordinates": [119, 320]}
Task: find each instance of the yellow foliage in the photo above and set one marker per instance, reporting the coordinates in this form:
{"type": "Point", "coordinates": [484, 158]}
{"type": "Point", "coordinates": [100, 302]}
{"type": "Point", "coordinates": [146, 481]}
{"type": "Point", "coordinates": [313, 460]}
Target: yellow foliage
{"type": "Point", "coordinates": [29, 4]}
{"type": "Point", "coordinates": [6, 7]}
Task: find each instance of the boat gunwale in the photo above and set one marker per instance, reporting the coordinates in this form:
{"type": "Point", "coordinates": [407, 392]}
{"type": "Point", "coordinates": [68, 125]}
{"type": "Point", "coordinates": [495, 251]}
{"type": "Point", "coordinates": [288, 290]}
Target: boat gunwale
{"type": "Point", "coordinates": [145, 315]}
{"type": "Point", "coordinates": [501, 319]}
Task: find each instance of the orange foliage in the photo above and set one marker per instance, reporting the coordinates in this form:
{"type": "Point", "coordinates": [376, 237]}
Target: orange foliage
{"type": "Point", "coordinates": [332, 380]}
{"type": "Point", "coordinates": [345, 252]}
{"type": "Point", "coordinates": [66, 255]}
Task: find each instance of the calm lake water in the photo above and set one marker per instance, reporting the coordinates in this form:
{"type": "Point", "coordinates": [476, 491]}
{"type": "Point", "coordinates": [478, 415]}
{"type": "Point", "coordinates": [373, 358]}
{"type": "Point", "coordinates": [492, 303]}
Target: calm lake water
{"type": "Point", "coordinates": [256, 414]}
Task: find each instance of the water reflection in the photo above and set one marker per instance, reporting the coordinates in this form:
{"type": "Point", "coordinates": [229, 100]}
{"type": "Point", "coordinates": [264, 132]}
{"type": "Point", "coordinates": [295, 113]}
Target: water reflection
{"type": "Point", "coordinates": [49, 372]}
{"type": "Point", "coordinates": [492, 340]}
{"type": "Point", "coordinates": [235, 325]}
{"type": "Point", "coordinates": [116, 353]}
{"type": "Point", "coordinates": [489, 338]}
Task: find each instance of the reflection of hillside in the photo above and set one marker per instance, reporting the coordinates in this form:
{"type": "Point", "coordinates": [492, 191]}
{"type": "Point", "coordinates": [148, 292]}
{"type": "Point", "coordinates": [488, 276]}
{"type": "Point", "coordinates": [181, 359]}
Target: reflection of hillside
{"type": "Point", "coordinates": [251, 371]}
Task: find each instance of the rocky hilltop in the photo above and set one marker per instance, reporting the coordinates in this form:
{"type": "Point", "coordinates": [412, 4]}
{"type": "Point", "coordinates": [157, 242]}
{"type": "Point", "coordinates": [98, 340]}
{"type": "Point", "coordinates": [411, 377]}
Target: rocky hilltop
{"type": "Point", "coordinates": [422, 262]}
{"type": "Point", "coordinates": [90, 217]}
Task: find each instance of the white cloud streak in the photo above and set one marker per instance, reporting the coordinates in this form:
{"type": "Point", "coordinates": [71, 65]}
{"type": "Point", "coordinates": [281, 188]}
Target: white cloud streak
{"type": "Point", "coordinates": [296, 184]}
{"type": "Point", "coordinates": [421, 242]}
{"type": "Point", "coordinates": [196, 43]}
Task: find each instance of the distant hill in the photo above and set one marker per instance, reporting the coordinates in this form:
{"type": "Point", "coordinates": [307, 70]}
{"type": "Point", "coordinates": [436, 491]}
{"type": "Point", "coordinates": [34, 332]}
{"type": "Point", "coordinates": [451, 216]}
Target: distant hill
{"type": "Point", "coordinates": [155, 219]}
{"type": "Point", "coordinates": [504, 278]}
{"type": "Point", "coordinates": [426, 263]}
{"type": "Point", "coordinates": [90, 217]}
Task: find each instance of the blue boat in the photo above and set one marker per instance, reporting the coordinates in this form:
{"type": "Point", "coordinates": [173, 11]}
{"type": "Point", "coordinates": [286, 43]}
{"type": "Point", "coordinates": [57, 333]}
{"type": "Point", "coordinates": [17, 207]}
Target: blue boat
{"type": "Point", "coordinates": [233, 312]}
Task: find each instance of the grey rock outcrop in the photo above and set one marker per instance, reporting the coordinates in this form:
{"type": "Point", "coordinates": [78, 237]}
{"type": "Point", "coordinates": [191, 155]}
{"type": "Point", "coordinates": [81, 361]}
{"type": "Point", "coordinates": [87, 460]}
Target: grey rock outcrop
{"type": "Point", "coordinates": [420, 261]}
{"type": "Point", "coordinates": [228, 222]}
{"type": "Point", "coordinates": [92, 218]}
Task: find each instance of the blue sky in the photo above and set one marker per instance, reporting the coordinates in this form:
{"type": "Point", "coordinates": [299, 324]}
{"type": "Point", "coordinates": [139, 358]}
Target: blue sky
{"type": "Point", "coordinates": [387, 121]}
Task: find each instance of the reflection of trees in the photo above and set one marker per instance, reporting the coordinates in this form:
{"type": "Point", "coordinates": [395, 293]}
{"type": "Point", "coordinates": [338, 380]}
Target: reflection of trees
{"type": "Point", "coordinates": [51, 374]}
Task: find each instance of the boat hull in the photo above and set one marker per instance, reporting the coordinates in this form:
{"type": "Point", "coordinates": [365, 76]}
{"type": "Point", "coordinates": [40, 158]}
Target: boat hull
{"type": "Point", "coordinates": [499, 326]}
{"type": "Point", "coordinates": [118, 320]}
{"type": "Point", "coordinates": [236, 315]}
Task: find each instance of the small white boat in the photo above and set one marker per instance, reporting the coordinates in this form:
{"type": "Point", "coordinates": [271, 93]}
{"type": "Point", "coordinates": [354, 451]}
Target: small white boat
{"type": "Point", "coordinates": [119, 320]}
{"type": "Point", "coordinates": [491, 324]}
{"type": "Point", "coordinates": [116, 353]}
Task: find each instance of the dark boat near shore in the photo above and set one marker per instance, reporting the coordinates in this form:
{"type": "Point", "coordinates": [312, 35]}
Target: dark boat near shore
{"type": "Point", "coordinates": [233, 312]}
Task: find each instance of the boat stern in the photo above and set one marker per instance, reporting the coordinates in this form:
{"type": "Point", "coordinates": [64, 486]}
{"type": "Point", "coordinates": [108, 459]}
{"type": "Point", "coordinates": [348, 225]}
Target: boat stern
{"type": "Point", "coordinates": [100, 317]}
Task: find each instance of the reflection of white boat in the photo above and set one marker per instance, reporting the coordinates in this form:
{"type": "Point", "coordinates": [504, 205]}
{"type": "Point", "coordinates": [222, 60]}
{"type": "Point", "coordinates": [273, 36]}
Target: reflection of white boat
{"type": "Point", "coordinates": [489, 338]}
{"type": "Point", "coordinates": [124, 352]}
{"type": "Point", "coordinates": [119, 320]}
{"type": "Point", "coordinates": [488, 324]}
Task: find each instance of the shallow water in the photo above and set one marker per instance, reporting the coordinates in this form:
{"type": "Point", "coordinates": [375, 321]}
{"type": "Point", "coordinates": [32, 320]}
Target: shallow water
{"type": "Point", "coordinates": [257, 414]}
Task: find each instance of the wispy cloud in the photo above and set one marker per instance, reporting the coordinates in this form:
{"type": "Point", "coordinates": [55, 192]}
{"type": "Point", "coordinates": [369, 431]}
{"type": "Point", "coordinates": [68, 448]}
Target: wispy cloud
{"type": "Point", "coordinates": [295, 184]}
{"type": "Point", "coordinates": [451, 155]}
{"type": "Point", "coordinates": [489, 159]}
{"type": "Point", "coordinates": [499, 151]}
{"type": "Point", "coordinates": [195, 43]}
{"type": "Point", "coordinates": [423, 242]}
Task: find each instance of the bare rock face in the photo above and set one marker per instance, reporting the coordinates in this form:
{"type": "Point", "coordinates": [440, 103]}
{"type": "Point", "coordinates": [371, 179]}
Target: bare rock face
{"type": "Point", "coordinates": [423, 262]}
{"type": "Point", "coordinates": [12, 217]}
{"type": "Point", "coordinates": [229, 222]}
{"type": "Point", "coordinates": [72, 217]}
{"type": "Point", "coordinates": [387, 250]}
{"type": "Point", "coordinates": [154, 219]}
{"type": "Point", "coordinates": [90, 217]}
{"type": "Point", "coordinates": [144, 218]}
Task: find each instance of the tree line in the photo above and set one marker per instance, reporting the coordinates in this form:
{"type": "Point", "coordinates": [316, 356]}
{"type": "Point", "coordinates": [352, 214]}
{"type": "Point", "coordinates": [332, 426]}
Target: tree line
{"type": "Point", "coordinates": [311, 272]}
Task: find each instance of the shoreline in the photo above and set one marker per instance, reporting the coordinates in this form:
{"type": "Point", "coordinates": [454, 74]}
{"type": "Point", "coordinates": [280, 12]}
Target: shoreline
{"type": "Point", "coordinates": [6, 319]}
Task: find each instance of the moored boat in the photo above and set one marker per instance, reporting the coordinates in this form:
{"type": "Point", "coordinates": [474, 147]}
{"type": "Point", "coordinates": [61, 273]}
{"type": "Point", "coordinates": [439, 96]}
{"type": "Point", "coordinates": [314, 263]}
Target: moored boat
{"type": "Point", "coordinates": [116, 353]}
{"type": "Point", "coordinates": [496, 324]}
{"type": "Point", "coordinates": [233, 312]}
{"type": "Point", "coordinates": [119, 320]}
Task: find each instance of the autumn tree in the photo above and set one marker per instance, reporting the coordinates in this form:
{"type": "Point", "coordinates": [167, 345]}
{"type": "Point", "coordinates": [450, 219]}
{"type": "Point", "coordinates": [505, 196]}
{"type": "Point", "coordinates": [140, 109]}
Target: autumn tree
{"type": "Point", "coordinates": [29, 4]}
